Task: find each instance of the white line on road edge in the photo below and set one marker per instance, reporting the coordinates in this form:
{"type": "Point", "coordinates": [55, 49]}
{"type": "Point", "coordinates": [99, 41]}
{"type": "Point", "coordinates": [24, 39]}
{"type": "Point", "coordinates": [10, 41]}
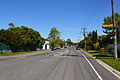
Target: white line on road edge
{"type": "Point", "coordinates": [106, 66]}
{"type": "Point", "coordinates": [101, 63]}
{"type": "Point", "coordinates": [93, 67]}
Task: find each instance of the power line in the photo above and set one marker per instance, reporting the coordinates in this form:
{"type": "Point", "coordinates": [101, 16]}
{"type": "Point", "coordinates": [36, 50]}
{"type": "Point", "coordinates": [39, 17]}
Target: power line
{"type": "Point", "coordinates": [96, 6]}
{"type": "Point", "coordinates": [92, 9]}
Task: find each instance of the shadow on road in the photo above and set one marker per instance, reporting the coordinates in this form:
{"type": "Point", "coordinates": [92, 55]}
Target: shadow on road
{"type": "Point", "coordinates": [94, 52]}
{"type": "Point", "coordinates": [102, 56]}
{"type": "Point", "coordinates": [72, 55]}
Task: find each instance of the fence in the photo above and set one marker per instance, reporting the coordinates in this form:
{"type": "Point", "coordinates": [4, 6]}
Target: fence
{"type": "Point", "coordinates": [112, 46]}
{"type": "Point", "coordinates": [8, 49]}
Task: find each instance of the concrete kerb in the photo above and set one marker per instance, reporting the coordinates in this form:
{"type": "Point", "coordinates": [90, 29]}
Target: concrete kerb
{"type": "Point", "coordinates": [106, 66]}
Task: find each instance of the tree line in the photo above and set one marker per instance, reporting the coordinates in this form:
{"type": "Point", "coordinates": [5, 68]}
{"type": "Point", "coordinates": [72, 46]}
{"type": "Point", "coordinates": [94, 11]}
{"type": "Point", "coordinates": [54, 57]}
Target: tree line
{"type": "Point", "coordinates": [95, 42]}
{"type": "Point", "coordinates": [55, 40]}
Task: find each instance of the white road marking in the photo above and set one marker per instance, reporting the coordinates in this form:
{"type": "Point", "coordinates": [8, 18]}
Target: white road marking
{"type": "Point", "coordinates": [101, 63]}
{"type": "Point", "coordinates": [108, 69]}
{"type": "Point", "coordinates": [67, 50]}
{"type": "Point", "coordinates": [92, 67]}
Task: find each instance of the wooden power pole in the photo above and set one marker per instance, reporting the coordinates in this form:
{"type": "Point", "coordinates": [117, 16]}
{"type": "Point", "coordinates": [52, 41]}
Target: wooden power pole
{"type": "Point", "coordinates": [114, 29]}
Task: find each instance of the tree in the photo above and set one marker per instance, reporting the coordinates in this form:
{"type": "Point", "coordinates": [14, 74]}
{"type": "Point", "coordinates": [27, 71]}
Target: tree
{"type": "Point", "coordinates": [89, 43]}
{"type": "Point", "coordinates": [59, 42]}
{"type": "Point", "coordinates": [94, 36]}
{"type": "Point", "coordinates": [91, 38]}
{"type": "Point", "coordinates": [42, 41]}
{"type": "Point", "coordinates": [69, 42]}
{"type": "Point", "coordinates": [54, 33]}
{"type": "Point", "coordinates": [25, 36]}
{"type": "Point", "coordinates": [81, 43]}
{"type": "Point", "coordinates": [104, 40]}
{"type": "Point", "coordinates": [96, 46]}
{"type": "Point", "coordinates": [21, 37]}
{"type": "Point", "coordinates": [108, 20]}
{"type": "Point", "coordinates": [11, 25]}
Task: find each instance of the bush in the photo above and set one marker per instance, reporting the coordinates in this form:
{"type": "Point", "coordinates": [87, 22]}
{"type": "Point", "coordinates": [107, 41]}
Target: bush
{"type": "Point", "coordinates": [96, 46]}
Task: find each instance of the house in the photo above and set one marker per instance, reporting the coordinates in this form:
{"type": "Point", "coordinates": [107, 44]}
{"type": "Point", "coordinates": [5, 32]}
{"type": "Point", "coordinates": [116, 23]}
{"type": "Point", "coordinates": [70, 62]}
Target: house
{"type": "Point", "coordinates": [46, 45]}
{"type": "Point", "coordinates": [112, 46]}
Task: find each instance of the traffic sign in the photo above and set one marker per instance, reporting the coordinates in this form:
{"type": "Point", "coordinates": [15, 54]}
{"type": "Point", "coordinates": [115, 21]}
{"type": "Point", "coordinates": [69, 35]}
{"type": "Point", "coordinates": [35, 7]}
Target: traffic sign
{"type": "Point", "coordinates": [109, 31]}
{"type": "Point", "coordinates": [113, 33]}
{"type": "Point", "coordinates": [109, 25]}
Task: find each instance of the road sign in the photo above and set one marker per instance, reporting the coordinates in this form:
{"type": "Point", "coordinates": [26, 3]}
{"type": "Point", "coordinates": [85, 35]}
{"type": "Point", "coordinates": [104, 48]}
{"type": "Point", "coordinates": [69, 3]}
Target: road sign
{"type": "Point", "coordinates": [109, 31]}
{"type": "Point", "coordinates": [110, 25]}
{"type": "Point", "coordinates": [113, 33]}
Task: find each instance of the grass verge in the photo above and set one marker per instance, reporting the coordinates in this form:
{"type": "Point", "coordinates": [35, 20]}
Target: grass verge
{"type": "Point", "coordinates": [107, 58]}
{"type": "Point", "coordinates": [18, 53]}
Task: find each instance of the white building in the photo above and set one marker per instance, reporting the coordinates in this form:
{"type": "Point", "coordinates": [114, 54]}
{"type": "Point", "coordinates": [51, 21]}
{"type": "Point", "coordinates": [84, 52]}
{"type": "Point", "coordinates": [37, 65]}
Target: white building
{"type": "Point", "coordinates": [46, 44]}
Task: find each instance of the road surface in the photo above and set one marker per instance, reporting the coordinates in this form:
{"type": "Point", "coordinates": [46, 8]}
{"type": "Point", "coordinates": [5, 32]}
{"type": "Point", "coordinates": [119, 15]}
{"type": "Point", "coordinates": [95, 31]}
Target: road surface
{"type": "Point", "coordinates": [65, 64]}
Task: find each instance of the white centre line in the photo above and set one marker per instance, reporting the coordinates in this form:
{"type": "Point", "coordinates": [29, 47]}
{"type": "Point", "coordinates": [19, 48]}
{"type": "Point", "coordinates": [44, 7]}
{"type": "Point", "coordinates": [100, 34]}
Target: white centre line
{"type": "Point", "coordinates": [92, 67]}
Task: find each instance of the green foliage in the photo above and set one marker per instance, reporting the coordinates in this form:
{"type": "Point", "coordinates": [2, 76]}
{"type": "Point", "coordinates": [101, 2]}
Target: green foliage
{"type": "Point", "coordinates": [108, 59]}
{"type": "Point", "coordinates": [69, 42]}
{"type": "Point", "coordinates": [81, 43]}
{"type": "Point", "coordinates": [53, 37]}
{"type": "Point", "coordinates": [75, 44]}
{"type": "Point", "coordinates": [11, 25]}
{"type": "Point", "coordinates": [89, 43]}
{"type": "Point", "coordinates": [94, 36]}
{"type": "Point", "coordinates": [96, 46]}
{"type": "Point", "coordinates": [91, 39]}
{"type": "Point", "coordinates": [54, 33]}
{"type": "Point", "coordinates": [59, 42]}
{"type": "Point", "coordinates": [104, 40]}
{"type": "Point", "coordinates": [108, 20]}
{"type": "Point", "coordinates": [20, 36]}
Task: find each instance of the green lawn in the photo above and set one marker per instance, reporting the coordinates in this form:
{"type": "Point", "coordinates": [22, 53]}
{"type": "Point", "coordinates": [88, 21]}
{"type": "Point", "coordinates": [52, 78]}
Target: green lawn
{"type": "Point", "coordinates": [107, 58]}
{"type": "Point", "coordinates": [17, 53]}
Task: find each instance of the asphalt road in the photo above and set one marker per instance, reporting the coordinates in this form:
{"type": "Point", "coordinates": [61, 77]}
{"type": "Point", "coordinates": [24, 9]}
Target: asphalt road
{"type": "Point", "coordinates": [65, 64]}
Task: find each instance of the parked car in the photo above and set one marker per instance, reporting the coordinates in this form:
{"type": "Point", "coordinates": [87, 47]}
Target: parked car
{"type": "Point", "coordinates": [54, 48]}
{"type": "Point", "coordinates": [77, 47]}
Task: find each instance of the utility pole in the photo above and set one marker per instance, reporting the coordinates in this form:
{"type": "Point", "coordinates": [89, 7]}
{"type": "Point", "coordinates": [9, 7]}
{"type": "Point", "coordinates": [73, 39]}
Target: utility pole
{"type": "Point", "coordinates": [84, 34]}
{"type": "Point", "coordinates": [114, 29]}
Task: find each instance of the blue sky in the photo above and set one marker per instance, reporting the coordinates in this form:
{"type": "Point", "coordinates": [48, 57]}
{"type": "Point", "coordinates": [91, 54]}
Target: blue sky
{"type": "Point", "coordinates": [68, 16]}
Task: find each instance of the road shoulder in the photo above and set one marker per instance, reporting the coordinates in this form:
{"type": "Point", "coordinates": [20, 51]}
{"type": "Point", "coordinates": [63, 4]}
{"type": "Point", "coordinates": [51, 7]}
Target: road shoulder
{"type": "Point", "coordinates": [106, 66]}
{"type": "Point", "coordinates": [22, 55]}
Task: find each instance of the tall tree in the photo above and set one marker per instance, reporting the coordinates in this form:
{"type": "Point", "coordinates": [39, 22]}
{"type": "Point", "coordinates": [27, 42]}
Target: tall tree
{"type": "Point", "coordinates": [94, 36]}
{"type": "Point", "coordinates": [54, 33]}
{"type": "Point", "coordinates": [69, 42]}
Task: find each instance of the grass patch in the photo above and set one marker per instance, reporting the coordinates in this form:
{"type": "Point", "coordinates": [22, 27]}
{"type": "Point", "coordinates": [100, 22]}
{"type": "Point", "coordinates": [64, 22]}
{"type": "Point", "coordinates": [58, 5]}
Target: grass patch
{"type": "Point", "coordinates": [107, 58]}
{"type": "Point", "coordinates": [18, 53]}
{"type": "Point", "coordinates": [113, 63]}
